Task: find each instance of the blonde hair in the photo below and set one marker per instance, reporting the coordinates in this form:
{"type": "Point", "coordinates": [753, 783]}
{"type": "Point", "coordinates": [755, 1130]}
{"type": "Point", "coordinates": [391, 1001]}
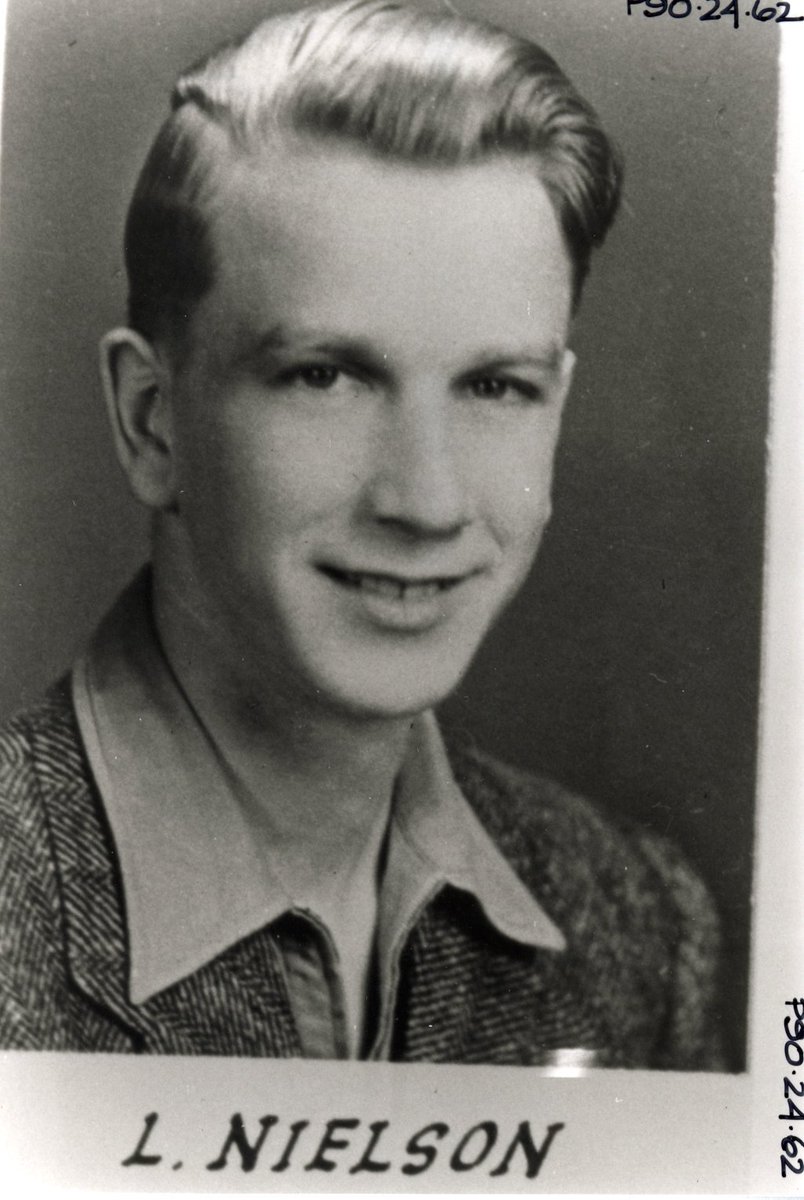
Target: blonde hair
{"type": "Point", "coordinates": [401, 83]}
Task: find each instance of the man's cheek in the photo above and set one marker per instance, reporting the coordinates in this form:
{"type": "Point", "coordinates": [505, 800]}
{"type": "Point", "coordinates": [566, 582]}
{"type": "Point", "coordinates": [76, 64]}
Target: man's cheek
{"type": "Point", "coordinates": [521, 506]}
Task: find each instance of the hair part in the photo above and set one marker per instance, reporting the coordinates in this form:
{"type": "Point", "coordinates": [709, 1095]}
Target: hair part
{"type": "Point", "coordinates": [401, 83]}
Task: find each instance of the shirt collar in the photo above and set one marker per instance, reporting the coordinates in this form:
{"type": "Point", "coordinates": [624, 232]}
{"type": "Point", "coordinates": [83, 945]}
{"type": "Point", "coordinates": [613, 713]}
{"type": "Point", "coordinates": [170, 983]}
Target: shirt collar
{"type": "Point", "coordinates": [195, 875]}
{"type": "Point", "coordinates": [437, 826]}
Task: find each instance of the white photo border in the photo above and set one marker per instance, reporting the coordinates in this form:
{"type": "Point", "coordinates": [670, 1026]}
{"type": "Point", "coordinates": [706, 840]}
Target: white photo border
{"type": "Point", "coordinates": [68, 1121]}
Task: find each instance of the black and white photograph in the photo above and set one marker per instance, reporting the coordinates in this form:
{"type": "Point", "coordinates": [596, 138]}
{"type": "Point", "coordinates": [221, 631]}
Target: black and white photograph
{"type": "Point", "coordinates": [401, 596]}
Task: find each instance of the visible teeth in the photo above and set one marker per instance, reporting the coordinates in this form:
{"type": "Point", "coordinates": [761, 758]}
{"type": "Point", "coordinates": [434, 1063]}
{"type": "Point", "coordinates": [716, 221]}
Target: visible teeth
{"type": "Point", "coordinates": [391, 588]}
{"type": "Point", "coordinates": [397, 589]}
{"type": "Point", "coordinates": [422, 591]}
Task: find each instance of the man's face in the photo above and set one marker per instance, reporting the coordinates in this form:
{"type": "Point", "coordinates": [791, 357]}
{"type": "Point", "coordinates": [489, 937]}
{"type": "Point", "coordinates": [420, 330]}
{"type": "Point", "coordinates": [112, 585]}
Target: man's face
{"type": "Point", "coordinates": [364, 432]}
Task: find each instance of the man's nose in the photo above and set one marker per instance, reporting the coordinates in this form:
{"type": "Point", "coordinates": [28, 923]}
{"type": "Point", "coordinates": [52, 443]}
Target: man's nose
{"type": "Point", "coordinates": [416, 484]}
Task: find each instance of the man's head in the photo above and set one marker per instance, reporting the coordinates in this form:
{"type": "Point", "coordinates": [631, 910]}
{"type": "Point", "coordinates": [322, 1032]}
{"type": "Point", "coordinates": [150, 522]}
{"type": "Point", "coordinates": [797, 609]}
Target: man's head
{"type": "Point", "coordinates": [402, 84]}
{"type": "Point", "coordinates": [354, 262]}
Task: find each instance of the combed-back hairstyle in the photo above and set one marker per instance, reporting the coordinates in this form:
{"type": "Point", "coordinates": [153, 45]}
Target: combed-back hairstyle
{"type": "Point", "coordinates": [408, 85]}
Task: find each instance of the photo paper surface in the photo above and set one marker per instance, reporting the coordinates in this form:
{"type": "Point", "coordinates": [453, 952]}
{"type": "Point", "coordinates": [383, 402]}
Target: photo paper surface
{"type": "Point", "coordinates": [651, 662]}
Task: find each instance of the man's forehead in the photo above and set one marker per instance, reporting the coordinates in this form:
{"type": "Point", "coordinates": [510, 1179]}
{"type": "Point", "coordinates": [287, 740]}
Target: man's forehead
{"type": "Point", "coordinates": [302, 183]}
{"type": "Point", "coordinates": [321, 237]}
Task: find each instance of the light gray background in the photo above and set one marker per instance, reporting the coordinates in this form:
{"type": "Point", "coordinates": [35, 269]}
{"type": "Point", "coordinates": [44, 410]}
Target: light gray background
{"type": "Point", "coordinates": [628, 666]}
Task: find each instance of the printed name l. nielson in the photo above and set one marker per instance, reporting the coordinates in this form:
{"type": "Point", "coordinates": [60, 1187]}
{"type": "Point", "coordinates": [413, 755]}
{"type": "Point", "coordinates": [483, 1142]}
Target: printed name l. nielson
{"type": "Point", "coordinates": [353, 1147]}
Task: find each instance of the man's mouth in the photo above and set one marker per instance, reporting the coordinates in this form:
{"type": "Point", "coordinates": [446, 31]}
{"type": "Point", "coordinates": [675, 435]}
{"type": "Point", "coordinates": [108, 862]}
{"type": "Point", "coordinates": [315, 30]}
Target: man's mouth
{"type": "Point", "coordinates": [394, 587]}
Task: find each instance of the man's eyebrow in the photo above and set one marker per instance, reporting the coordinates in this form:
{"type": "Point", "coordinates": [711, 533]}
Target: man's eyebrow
{"type": "Point", "coordinates": [544, 358]}
{"type": "Point", "coordinates": [281, 338]}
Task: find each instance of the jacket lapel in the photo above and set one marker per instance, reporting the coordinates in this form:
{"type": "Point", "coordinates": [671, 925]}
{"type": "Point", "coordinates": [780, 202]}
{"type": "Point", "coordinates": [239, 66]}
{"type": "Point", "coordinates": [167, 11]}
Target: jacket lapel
{"type": "Point", "coordinates": [241, 993]}
{"type": "Point", "coordinates": [473, 996]}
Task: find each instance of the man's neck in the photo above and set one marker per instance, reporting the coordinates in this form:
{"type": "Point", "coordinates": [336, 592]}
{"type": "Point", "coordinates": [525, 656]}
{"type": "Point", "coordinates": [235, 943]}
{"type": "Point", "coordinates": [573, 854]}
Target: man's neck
{"type": "Point", "coordinates": [320, 783]}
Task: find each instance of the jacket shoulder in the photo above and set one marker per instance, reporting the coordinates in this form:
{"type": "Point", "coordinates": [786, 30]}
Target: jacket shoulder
{"type": "Point", "coordinates": [536, 821]}
{"type": "Point", "coordinates": [38, 748]}
{"type": "Point", "coordinates": [44, 737]}
{"type": "Point", "coordinates": [41, 764]}
{"type": "Point", "coordinates": [628, 902]}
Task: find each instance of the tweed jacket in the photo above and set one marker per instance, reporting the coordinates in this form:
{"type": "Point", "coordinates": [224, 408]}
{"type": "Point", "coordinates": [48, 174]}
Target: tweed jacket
{"type": "Point", "coordinates": [635, 983]}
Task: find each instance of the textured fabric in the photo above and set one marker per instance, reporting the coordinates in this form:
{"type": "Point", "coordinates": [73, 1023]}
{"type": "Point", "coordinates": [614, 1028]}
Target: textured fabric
{"type": "Point", "coordinates": [635, 982]}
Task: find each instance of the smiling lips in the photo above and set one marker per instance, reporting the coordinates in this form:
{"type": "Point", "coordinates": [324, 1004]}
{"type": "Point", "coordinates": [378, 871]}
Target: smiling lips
{"type": "Point", "coordinates": [393, 587]}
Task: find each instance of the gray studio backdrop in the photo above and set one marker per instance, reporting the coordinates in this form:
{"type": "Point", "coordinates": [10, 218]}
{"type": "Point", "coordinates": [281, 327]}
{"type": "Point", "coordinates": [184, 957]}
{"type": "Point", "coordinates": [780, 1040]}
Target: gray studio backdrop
{"type": "Point", "coordinates": [628, 666]}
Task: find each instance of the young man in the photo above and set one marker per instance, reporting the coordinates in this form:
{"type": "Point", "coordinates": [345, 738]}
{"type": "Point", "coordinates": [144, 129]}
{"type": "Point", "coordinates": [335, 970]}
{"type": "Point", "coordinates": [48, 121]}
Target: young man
{"type": "Point", "coordinates": [353, 255]}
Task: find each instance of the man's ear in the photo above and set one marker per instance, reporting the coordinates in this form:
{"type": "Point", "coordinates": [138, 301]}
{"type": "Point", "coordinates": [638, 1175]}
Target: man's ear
{"type": "Point", "coordinates": [136, 386]}
{"type": "Point", "coordinates": [566, 371]}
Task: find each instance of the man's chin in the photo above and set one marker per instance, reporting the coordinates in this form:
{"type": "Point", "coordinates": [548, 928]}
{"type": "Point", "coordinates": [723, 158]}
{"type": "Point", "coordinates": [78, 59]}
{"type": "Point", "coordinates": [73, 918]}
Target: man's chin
{"type": "Point", "coordinates": [394, 694]}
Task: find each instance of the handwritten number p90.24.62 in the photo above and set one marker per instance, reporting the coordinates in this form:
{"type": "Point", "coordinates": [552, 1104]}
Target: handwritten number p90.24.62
{"type": "Point", "coordinates": [790, 1159]}
{"type": "Point", "coordinates": [714, 10]}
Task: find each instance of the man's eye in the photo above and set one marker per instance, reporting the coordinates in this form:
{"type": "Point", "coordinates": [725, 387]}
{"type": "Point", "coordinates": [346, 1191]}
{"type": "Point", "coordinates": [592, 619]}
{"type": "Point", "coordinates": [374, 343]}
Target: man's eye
{"type": "Point", "coordinates": [497, 387]}
{"type": "Point", "coordinates": [489, 387]}
{"type": "Point", "coordinates": [318, 376]}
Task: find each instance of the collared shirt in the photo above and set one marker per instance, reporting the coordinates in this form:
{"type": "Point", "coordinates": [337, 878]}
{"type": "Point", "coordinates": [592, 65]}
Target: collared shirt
{"type": "Point", "coordinates": [195, 867]}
